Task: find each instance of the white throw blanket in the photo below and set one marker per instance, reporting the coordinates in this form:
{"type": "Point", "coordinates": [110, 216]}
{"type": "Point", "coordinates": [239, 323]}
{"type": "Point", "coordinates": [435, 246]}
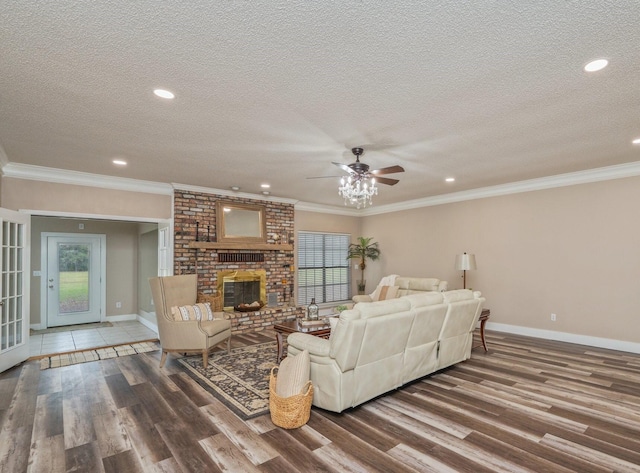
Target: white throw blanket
{"type": "Point", "coordinates": [386, 281]}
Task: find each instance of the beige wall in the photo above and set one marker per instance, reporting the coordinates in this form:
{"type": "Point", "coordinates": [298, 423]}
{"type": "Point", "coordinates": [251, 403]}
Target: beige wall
{"type": "Point", "coordinates": [573, 251]}
{"type": "Point", "coordinates": [52, 197]}
{"type": "Point", "coordinates": [122, 260]}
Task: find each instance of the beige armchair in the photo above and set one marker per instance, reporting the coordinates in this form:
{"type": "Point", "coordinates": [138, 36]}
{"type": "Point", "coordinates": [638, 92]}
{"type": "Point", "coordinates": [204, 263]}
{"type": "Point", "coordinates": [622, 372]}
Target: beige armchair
{"type": "Point", "coordinates": [185, 336]}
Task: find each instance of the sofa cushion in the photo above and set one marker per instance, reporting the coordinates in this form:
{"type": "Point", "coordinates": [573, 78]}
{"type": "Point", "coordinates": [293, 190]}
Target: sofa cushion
{"type": "Point", "coordinates": [418, 284]}
{"type": "Point", "coordinates": [375, 309]}
{"type": "Point", "coordinates": [457, 295]}
{"type": "Point", "coordinates": [333, 322]}
{"type": "Point", "coordinates": [216, 326]}
{"type": "Point", "coordinates": [423, 299]}
{"type": "Point", "coordinates": [192, 312]}
{"type": "Point", "coordinates": [382, 293]}
{"type": "Point", "coordinates": [293, 374]}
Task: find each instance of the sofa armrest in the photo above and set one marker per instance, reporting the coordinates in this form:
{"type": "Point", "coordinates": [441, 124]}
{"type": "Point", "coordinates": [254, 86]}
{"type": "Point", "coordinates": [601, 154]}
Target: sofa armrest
{"type": "Point", "coordinates": [315, 345]}
{"type": "Point", "coordinates": [443, 286]}
{"type": "Point", "coordinates": [362, 298]}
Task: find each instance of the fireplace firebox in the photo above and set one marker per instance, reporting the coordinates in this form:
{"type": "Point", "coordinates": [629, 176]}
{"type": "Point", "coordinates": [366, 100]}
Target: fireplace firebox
{"type": "Point", "coordinates": [242, 287]}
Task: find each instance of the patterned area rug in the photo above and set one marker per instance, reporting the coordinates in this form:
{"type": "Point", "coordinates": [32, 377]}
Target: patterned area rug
{"type": "Point", "coordinates": [240, 380]}
{"type": "Point", "coordinates": [66, 359]}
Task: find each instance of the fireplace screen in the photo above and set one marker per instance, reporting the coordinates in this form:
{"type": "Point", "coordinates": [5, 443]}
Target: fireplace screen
{"type": "Point", "coordinates": [241, 287]}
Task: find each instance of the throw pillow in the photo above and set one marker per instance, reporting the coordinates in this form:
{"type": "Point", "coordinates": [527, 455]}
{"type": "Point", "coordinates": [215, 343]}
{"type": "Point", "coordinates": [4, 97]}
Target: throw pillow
{"type": "Point", "coordinates": [293, 374]}
{"type": "Point", "coordinates": [214, 301]}
{"type": "Point", "coordinates": [382, 293]}
{"type": "Point", "coordinates": [192, 312]}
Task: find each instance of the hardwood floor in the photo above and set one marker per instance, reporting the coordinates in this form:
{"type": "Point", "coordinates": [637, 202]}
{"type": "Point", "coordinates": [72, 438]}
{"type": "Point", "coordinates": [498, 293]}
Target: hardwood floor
{"type": "Point", "coordinates": [528, 405]}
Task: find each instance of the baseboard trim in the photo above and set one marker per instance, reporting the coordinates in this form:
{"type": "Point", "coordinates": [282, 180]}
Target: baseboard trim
{"type": "Point", "coordinates": [147, 323]}
{"type": "Point", "coordinates": [37, 327]}
{"type": "Point", "coordinates": [599, 342]}
{"type": "Point", "coordinates": [120, 318]}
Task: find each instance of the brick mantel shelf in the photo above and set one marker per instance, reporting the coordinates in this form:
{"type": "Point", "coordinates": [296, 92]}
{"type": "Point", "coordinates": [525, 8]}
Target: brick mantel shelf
{"type": "Point", "coordinates": [240, 246]}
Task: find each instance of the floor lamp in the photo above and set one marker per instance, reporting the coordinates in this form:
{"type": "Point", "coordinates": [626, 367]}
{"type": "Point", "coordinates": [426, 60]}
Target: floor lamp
{"type": "Point", "coordinates": [465, 262]}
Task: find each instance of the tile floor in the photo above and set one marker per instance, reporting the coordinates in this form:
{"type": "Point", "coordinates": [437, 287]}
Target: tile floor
{"type": "Point", "coordinates": [121, 332]}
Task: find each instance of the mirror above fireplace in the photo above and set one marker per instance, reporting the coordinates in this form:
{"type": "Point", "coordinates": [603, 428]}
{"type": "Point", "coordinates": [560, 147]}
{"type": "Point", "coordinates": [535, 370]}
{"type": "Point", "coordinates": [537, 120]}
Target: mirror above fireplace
{"type": "Point", "coordinates": [241, 223]}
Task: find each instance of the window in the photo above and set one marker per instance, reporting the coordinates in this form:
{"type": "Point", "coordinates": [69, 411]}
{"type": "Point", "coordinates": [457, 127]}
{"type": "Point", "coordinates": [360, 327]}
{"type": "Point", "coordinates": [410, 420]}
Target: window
{"type": "Point", "coordinates": [323, 267]}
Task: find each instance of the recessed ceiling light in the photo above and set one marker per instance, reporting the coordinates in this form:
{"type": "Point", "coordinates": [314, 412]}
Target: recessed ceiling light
{"type": "Point", "coordinates": [596, 65]}
{"type": "Point", "coordinates": [265, 186]}
{"type": "Point", "coordinates": [266, 192]}
{"type": "Point", "coordinates": [450, 179]}
{"type": "Point", "coordinates": [235, 188]}
{"type": "Point", "coordinates": [165, 94]}
{"type": "Point", "coordinates": [636, 141]}
{"type": "Point", "coordinates": [119, 162]}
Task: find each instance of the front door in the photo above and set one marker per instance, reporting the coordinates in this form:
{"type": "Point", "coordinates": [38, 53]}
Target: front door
{"type": "Point", "coordinates": [14, 288]}
{"type": "Point", "coordinates": [74, 278]}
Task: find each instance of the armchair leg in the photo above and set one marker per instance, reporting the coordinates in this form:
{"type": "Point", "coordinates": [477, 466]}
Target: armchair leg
{"type": "Point", "coordinates": [205, 358]}
{"type": "Point", "coordinates": [163, 359]}
{"type": "Point", "coordinates": [229, 345]}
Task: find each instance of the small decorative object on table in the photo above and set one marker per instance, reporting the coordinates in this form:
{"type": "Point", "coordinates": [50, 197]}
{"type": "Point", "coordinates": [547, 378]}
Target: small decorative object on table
{"type": "Point", "coordinates": [314, 322]}
{"type": "Point", "coordinates": [255, 305]}
{"type": "Point", "coordinates": [340, 308]}
{"type": "Point", "coordinates": [312, 310]}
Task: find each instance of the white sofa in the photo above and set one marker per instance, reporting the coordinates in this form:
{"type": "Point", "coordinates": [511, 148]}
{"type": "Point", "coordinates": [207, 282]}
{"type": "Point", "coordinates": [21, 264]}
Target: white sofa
{"type": "Point", "coordinates": [379, 346]}
{"type": "Point", "coordinates": [406, 286]}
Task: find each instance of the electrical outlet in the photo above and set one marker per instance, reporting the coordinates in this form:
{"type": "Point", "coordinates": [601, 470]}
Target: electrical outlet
{"type": "Point", "coordinates": [118, 305]}
{"type": "Point", "coordinates": [553, 317]}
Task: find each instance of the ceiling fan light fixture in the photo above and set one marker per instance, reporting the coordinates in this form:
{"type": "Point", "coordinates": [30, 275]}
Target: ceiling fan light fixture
{"type": "Point", "coordinates": [357, 191]}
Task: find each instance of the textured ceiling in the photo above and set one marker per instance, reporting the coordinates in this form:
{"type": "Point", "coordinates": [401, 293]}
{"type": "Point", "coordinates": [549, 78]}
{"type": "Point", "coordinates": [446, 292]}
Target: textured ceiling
{"type": "Point", "coordinates": [489, 92]}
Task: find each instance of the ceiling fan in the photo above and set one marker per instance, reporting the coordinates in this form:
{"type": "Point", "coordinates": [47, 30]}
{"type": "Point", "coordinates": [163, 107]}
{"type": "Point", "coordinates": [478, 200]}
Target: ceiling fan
{"type": "Point", "coordinates": [360, 171]}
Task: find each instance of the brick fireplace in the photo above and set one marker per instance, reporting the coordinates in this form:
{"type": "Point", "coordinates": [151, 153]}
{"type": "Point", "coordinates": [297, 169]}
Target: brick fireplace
{"type": "Point", "coordinates": [195, 220]}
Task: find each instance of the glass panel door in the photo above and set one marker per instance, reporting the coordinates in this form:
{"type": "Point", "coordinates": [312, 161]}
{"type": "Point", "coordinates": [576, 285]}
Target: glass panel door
{"type": "Point", "coordinates": [13, 261]}
{"type": "Point", "coordinates": [74, 275]}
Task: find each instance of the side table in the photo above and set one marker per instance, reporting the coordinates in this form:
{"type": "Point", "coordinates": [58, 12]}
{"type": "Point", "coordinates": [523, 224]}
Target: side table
{"type": "Point", "coordinates": [292, 326]}
{"type": "Point", "coordinates": [484, 316]}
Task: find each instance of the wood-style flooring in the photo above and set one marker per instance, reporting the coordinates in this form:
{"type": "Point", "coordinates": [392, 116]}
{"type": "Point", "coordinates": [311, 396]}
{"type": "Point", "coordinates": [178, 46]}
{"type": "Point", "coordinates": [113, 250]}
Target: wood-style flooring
{"type": "Point", "coordinates": [528, 405]}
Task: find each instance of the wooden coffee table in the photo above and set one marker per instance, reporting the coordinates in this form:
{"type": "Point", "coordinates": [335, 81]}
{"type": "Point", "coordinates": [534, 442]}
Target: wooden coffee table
{"type": "Point", "coordinates": [293, 326]}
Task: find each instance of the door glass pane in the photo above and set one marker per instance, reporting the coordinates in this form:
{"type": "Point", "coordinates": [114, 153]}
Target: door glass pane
{"type": "Point", "coordinates": [73, 277]}
{"type": "Point", "coordinates": [12, 328]}
{"type": "Point", "coordinates": [3, 343]}
{"type": "Point", "coordinates": [19, 332]}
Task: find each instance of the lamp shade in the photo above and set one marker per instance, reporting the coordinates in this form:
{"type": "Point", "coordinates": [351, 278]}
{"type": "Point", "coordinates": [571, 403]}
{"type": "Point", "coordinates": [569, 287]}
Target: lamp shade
{"type": "Point", "coordinates": [465, 262]}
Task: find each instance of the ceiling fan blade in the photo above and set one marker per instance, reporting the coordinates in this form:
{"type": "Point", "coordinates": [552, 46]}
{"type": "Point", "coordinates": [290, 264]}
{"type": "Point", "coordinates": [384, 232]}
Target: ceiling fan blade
{"type": "Point", "coordinates": [343, 167]}
{"type": "Point", "coordinates": [322, 177]}
{"type": "Point", "coordinates": [388, 170]}
{"type": "Point", "coordinates": [386, 180]}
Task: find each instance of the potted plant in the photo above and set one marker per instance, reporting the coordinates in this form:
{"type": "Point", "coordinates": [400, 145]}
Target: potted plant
{"type": "Point", "coordinates": [363, 250]}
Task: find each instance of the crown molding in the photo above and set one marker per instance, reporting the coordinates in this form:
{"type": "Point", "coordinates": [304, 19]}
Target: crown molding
{"type": "Point", "coordinates": [228, 193]}
{"type": "Point", "coordinates": [41, 173]}
{"type": "Point", "coordinates": [78, 178]}
{"type": "Point", "coordinates": [617, 171]}
{"type": "Point", "coordinates": [328, 209]}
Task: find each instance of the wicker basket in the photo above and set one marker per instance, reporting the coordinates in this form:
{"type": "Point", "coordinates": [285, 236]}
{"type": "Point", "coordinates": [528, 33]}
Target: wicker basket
{"type": "Point", "coordinates": [214, 301]}
{"type": "Point", "coordinates": [289, 412]}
